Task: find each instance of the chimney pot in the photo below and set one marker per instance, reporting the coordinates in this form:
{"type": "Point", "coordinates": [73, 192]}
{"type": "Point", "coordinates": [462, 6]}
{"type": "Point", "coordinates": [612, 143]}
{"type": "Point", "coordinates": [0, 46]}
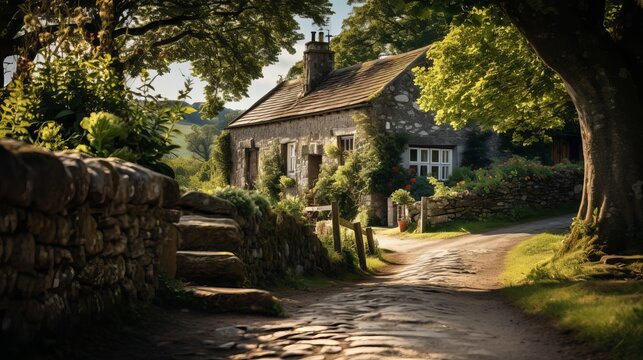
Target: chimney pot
{"type": "Point", "coordinates": [312, 35]}
{"type": "Point", "coordinates": [320, 36]}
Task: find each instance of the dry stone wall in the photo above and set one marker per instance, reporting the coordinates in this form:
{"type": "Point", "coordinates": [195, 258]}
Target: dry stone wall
{"type": "Point", "coordinates": [558, 189]}
{"type": "Point", "coordinates": [271, 246]}
{"type": "Point", "coordinates": [78, 236]}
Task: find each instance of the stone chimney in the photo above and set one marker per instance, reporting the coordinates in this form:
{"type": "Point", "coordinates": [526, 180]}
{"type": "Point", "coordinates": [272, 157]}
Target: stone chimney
{"type": "Point", "coordinates": [318, 62]}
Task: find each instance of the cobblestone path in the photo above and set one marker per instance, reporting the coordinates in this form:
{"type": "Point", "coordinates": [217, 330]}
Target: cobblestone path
{"type": "Point", "coordinates": [433, 308]}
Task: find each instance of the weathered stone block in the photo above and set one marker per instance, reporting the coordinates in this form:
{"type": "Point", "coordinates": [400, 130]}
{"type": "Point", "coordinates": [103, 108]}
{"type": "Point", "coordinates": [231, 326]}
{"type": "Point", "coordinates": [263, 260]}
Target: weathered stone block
{"type": "Point", "coordinates": [210, 268]}
{"type": "Point", "coordinates": [209, 234]}
{"type": "Point", "coordinates": [208, 204]}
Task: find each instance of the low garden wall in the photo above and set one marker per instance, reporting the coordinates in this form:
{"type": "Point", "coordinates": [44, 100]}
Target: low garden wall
{"type": "Point", "coordinates": [510, 196]}
{"type": "Point", "coordinates": [271, 245]}
{"type": "Point", "coordinates": [78, 237]}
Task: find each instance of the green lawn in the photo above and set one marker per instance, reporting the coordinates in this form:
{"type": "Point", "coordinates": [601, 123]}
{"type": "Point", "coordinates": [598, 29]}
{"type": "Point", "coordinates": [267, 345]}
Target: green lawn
{"type": "Point", "coordinates": [465, 227]}
{"type": "Point", "coordinates": [606, 313]}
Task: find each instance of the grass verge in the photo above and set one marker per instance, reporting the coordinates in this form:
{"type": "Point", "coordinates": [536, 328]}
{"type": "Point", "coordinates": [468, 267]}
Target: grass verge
{"type": "Point", "coordinates": [605, 313]}
{"type": "Point", "coordinates": [465, 227]}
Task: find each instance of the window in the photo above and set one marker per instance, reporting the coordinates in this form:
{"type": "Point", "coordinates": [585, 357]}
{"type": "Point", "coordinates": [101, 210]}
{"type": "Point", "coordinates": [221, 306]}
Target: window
{"type": "Point", "coordinates": [431, 162]}
{"type": "Point", "coordinates": [291, 159]}
{"type": "Point", "coordinates": [346, 145]}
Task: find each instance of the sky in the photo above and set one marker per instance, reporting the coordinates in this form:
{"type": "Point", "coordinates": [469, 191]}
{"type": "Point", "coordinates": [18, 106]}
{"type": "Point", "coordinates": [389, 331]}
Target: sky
{"type": "Point", "coordinates": [169, 84]}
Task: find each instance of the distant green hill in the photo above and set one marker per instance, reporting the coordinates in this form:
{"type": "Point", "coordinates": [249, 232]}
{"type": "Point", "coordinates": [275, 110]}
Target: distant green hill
{"type": "Point", "coordinates": [223, 117]}
{"type": "Point", "coordinates": [185, 126]}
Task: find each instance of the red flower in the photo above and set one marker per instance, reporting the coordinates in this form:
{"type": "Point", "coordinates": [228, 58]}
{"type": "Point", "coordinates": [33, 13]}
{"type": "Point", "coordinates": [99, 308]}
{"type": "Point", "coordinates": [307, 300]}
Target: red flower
{"type": "Point", "coordinates": [408, 187]}
{"type": "Point", "coordinates": [413, 180]}
{"type": "Point", "coordinates": [395, 169]}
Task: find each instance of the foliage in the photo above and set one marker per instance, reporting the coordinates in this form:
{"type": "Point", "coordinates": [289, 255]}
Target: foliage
{"type": "Point", "coordinates": [186, 172]}
{"type": "Point", "coordinates": [200, 140]}
{"type": "Point", "coordinates": [440, 189]}
{"type": "Point", "coordinates": [476, 151]}
{"type": "Point", "coordinates": [249, 203]}
{"type": "Point", "coordinates": [402, 197]}
{"type": "Point", "coordinates": [377, 27]}
{"type": "Point", "coordinates": [400, 178]}
{"type": "Point", "coordinates": [270, 171]}
{"type": "Point", "coordinates": [364, 171]}
{"type": "Point", "coordinates": [484, 71]}
{"type": "Point", "coordinates": [292, 206]}
{"type": "Point", "coordinates": [73, 100]}
{"type": "Point", "coordinates": [514, 169]}
{"type": "Point", "coordinates": [227, 42]}
{"type": "Point", "coordinates": [286, 182]}
{"type": "Point", "coordinates": [221, 160]}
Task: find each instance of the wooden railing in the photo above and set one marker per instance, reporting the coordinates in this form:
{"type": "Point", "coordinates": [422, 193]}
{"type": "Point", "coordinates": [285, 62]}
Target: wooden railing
{"type": "Point", "coordinates": [356, 226]}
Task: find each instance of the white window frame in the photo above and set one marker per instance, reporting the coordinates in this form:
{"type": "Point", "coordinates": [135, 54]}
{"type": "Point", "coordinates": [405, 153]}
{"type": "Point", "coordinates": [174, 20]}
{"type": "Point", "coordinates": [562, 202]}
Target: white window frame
{"type": "Point", "coordinates": [349, 141]}
{"type": "Point", "coordinates": [291, 159]}
{"type": "Point", "coordinates": [434, 162]}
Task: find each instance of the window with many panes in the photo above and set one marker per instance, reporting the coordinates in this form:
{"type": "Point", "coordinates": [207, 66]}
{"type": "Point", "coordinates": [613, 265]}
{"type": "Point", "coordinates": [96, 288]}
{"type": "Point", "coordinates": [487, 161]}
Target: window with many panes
{"type": "Point", "coordinates": [291, 159]}
{"type": "Point", "coordinates": [431, 162]}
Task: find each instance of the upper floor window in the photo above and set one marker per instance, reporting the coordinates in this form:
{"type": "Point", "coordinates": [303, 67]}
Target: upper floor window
{"type": "Point", "coordinates": [437, 163]}
{"type": "Point", "coordinates": [291, 159]}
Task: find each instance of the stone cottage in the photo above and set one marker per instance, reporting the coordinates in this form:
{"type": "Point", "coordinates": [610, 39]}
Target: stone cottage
{"type": "Point", "coordinates": [316, 109]}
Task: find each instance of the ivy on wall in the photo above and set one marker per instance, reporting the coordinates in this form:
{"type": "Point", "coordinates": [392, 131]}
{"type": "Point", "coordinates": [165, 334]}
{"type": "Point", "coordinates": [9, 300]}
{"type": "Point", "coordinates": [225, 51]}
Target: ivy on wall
{"type": "Point", "coordinates": [363, 172]}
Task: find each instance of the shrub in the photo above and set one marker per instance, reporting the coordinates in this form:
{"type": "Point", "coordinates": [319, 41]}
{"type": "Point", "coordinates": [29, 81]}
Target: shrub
{"type": "Point", "coordinates": [221, 160]}
{"type": "Point", "coordinates": [270, 172]}
{"type": "Point", "coordinates": [286, 182]}
{"type": "Point", "coordinates": [241, 198]}
{"type": "Point", "coordinates": [402, 197]}
{"type": "Point", "coordinates": [291, 205]}
{"type": "Point", "coordinates": [73, 99]}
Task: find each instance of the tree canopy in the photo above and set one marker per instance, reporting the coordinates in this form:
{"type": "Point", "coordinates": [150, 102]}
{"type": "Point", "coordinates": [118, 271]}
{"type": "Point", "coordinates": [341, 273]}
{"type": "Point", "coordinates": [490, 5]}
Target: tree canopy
{"type": "Point", "coordinates": [377, 27]}
{"type": "Point", "coordinates": [228, 42]}
{"type": "Point", "coordinates": [484, 72]}
{"type": "Point", "coordinates": [595, 47]}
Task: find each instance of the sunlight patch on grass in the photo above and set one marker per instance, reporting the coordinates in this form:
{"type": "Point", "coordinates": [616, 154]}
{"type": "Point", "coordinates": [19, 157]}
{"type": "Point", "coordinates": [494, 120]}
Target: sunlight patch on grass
{"type": "Point", "coordinates": [606, 313]}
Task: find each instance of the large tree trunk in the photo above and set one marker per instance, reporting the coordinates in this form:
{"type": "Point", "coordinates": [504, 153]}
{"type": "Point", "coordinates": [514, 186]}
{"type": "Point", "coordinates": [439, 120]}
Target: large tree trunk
{"type": "Point", "coordinates": [603, 74]}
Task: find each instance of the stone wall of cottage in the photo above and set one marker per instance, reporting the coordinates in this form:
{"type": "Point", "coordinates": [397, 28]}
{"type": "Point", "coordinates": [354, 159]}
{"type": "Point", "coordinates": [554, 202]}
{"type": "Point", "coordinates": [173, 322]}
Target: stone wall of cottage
{"type": "Point", "coordinates": [79, 236]}
{"type": "Point", "coordinates": [509, 198]}
{"type": "Point", "coordinates": [396, 110]}
{"type": "Point", "coordinates": [310, 134]}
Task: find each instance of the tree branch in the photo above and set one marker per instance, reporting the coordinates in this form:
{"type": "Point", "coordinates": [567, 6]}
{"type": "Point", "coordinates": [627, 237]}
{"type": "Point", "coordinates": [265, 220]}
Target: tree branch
{"type": "Point", "coordinates": [141, 30]}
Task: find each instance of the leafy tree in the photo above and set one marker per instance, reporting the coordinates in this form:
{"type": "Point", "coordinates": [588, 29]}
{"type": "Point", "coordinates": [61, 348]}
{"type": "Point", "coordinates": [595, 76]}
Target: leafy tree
{"type": "Point", "coordinates": [270, 172]}
{"type": "Point", "coordinates": [377, 27]}
{"type": "Point", "coordinates": [597, 51]}
{"type": "Point", "coordinates": [228, 42]}
{"type": "Point", "coordinates": [484, 71]}
{"type": "Point", "coordinates": [199, 141]}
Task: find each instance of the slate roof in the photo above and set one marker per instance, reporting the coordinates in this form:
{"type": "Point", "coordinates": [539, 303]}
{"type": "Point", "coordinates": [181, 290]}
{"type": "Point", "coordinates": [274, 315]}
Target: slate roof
{"type": "Point", "coordinates": [344, 88]}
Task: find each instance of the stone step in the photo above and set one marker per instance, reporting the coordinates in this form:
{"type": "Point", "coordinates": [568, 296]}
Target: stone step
{"type": "Point", "coordinates": [208, 204]}
{"type": "Point", "coordinates": [210, 268]}
{"type": "Point", "coordinates": [202, 233]}
{"type": "Point", "coordinates": [218, 300]}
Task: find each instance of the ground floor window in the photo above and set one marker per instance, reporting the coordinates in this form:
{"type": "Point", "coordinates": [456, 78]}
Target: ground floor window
{"type": "Point", "coordinates": [346, 145]}
{"type": "Point", "coordinates": [437, 163]}
{"type": "Point", "coordinates": [291, 159]}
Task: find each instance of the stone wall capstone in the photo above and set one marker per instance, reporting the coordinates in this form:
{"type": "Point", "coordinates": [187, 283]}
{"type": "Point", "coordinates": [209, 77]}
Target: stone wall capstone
{"type": "Point", "coordinates": [79, 236]}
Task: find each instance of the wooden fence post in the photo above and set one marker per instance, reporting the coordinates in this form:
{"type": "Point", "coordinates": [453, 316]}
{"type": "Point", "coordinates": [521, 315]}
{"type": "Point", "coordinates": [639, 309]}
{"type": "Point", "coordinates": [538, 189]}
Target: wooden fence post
{"type": "Point", "coordinates": [424, 201]}
{"type": "Point", "coordinates": [337, 241]}
{"type": "Point", "coordinates": [370, 240]}
{"type": "Point", "coordinates": [359, 242]}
